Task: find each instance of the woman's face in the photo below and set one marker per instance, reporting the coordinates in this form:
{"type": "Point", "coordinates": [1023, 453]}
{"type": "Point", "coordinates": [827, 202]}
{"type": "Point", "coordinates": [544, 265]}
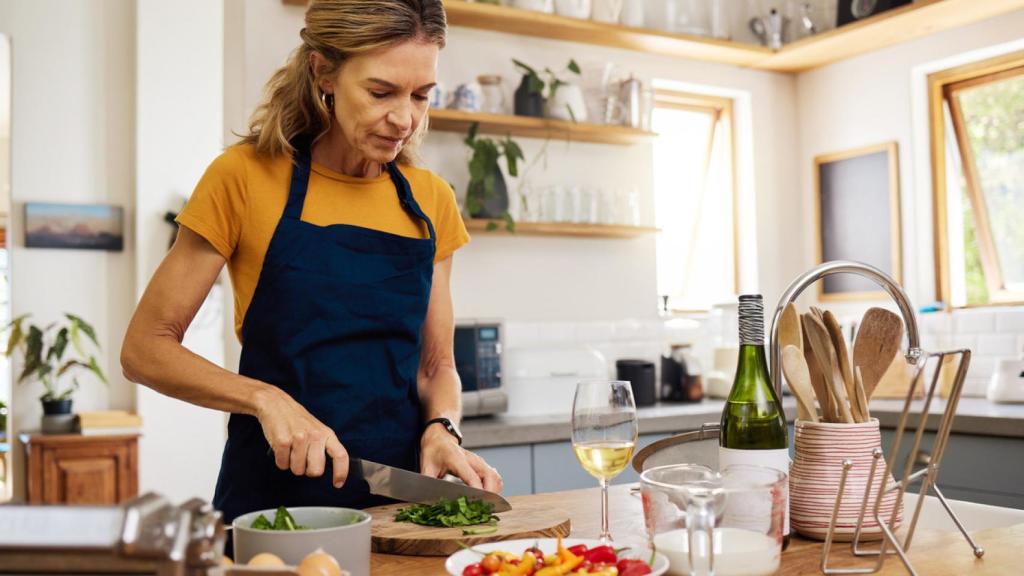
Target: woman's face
{"type": "Point", "coordinates": [380, 97]}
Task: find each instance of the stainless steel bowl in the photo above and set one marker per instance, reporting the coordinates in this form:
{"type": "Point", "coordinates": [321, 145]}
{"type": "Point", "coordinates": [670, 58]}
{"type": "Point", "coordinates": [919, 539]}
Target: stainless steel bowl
{"type": "Point", "coordinates": [342, 532]}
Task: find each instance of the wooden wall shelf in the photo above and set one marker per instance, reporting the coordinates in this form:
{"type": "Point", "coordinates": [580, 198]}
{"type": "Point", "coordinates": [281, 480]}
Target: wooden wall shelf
{"type": "Point", "coordinates": [559, 229]}
{"type": "Point", "coordinates": [527, 127]}
{"type": "Point", "coordinates": [921, 18]}
{"type": "Point", "coordinates": [539, 24]}
{"type": "Point", "coordinates": [908, 22]}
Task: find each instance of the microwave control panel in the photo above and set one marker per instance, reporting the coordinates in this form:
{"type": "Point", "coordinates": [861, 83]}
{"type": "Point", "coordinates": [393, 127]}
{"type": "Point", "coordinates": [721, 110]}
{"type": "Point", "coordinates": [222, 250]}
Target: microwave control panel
{"type": "Point", "coordinates": [478, 356]}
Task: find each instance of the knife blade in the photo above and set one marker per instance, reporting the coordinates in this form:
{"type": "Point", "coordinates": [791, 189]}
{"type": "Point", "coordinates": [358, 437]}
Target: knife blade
{"type": "Point", "coordinates": [409, 486]}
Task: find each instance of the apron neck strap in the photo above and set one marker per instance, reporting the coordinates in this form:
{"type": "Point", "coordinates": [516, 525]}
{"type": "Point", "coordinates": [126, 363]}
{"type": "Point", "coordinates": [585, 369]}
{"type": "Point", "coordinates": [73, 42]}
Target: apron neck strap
{"type": "Point", "coordinates": [406, 198]}
{"type": "Point", "coordinates": [301, 163]}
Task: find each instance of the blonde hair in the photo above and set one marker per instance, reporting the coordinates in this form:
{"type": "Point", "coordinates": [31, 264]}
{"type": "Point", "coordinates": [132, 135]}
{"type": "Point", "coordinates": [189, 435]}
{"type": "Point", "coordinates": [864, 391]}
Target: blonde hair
{"type": "Point", "coordinates": [337, 29]}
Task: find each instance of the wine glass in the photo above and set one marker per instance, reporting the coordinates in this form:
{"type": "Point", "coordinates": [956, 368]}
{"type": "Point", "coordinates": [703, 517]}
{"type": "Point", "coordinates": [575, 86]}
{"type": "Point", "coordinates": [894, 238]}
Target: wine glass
{"type": "Point", "coordinates": [604, 430]}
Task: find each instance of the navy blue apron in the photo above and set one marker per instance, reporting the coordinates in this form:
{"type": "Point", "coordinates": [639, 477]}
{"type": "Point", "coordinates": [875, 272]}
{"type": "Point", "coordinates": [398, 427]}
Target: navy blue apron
{"type": "Point", "coordinates": [335, 322]}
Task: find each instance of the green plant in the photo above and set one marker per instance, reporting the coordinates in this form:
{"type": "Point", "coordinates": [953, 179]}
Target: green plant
{"type": "Point", "coordinates": [43, 350]}
{"type": "Point", "coordinates": [536, 85]}
{"type": "Point", "coordinates": [482, 168]}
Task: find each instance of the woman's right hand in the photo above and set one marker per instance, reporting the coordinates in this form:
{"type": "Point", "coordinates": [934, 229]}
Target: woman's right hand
{"type": "Point", "coordinates": [299, 441]}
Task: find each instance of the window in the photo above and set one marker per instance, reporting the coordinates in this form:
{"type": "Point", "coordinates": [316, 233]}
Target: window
{"type": "Point", "coordinates": [695, 200]}
{"type": "Point", "coordinates": [977, 122]}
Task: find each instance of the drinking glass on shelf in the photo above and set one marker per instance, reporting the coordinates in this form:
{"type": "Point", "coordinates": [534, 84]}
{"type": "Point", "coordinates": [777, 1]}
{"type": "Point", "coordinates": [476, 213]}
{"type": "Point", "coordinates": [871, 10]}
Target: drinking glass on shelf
{"type": "Point", "coordinates": [604, 430]}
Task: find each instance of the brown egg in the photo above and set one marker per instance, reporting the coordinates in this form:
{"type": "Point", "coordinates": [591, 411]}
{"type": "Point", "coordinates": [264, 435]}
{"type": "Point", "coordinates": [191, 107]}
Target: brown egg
{"type": "Point", "coordinates": [319, 563]}
{"type": "Point", "coordinates": [265, 559]}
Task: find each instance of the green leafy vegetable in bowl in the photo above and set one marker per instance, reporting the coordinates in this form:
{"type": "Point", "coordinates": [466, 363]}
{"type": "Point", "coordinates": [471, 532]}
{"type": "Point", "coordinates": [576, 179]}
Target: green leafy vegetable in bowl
{"type": "Point", "coordinates": [449, 513]}
{"type": "Point", "coordinates": [282, 521]}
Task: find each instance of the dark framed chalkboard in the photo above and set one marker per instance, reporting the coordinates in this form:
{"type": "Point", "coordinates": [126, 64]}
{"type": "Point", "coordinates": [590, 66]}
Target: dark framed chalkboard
{"type": "Point", "coordinates": [857, 217]}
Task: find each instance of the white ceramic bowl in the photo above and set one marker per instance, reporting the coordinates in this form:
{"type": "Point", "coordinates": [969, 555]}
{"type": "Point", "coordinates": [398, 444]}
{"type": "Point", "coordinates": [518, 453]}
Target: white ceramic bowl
{"type": "Point", "coordinates": [342, 532]}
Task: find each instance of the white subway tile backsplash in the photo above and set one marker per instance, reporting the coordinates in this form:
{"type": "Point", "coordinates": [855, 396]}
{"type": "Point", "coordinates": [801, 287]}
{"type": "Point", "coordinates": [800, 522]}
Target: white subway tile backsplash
{"type": "Point", "coordinates": [1019, 353]}
{"type": "Point", "coordinates": [595, 331]}
{"type": "Point", "coordinates": [998, 345]}
{"type": "Point", "coordinates": [974, 321]}
{"type": "Point", "coordinates": [1010, 321]}
{"type": "Point", "coordinates": [931, 342]}
{"type": "Point", "coordinates": [975, 387]}
{"type": "Point", "coordinates": [959, 341]}
{"type": "Point", "coordinates": [521, 334]}
{"type": "Point", "coordinates": [981, 368]}
{"type": "Point", "coordinates": [935, 323]}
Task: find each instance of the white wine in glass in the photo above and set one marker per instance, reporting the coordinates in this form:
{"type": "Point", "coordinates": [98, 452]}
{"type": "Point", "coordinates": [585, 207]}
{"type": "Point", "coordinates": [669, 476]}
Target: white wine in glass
{"type": "Point", "coordinates": [604, 430]}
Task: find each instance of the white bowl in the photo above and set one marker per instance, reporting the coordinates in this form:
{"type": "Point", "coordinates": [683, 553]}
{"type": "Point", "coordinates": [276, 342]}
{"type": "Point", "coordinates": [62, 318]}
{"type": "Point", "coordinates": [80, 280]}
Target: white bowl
{"type": "Point", "coordinates": [457, 562]}
{"type": "Point", "coordinates": [341, 532]}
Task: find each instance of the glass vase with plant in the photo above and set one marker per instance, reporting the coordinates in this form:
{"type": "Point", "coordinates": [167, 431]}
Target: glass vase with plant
{"type": "Point", "coordinates": [487, 193]}
{"type": "Point", "coordinates": [46, 358]}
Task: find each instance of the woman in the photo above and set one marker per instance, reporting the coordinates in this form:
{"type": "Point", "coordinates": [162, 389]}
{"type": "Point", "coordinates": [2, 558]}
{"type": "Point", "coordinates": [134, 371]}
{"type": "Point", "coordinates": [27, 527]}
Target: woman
{"type": "Point", "coordinates": [339, 251]}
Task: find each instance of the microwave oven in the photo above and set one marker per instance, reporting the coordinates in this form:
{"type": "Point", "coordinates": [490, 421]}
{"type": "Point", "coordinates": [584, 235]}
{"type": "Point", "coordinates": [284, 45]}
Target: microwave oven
{"type": "Point", "coordinates": [478, 360]}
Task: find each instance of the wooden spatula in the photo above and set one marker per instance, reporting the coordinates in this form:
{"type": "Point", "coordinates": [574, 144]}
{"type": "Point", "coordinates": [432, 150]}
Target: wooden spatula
{"type": "Point", "coordinates": [799, 379]}
{"type": "Point", "coordinates": [821, 343]}
{"type": "Point", "coordinates": [789, 329]}
{"type": "Point", "coordinates": [835, 332]}
{"type": "Point", "coordinates": [821, 390]}
{"type": "Point", "coordinates": [862, 397]}
{"type": "Point", "coordinates": [878, 341]}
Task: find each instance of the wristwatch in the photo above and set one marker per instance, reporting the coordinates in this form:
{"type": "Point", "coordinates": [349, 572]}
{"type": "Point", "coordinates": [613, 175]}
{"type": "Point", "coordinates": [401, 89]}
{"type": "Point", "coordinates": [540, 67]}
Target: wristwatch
{"type": "Point", "coordinates": [448, 425]}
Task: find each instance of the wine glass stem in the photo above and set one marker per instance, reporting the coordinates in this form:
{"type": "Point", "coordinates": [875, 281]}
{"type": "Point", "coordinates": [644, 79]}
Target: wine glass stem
{"type": "Point", "coordinates": [605, 534]}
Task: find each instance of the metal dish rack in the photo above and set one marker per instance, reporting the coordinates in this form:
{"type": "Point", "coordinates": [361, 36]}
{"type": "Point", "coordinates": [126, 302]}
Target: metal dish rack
{"type": "Point", "coordinates": [928, 476]}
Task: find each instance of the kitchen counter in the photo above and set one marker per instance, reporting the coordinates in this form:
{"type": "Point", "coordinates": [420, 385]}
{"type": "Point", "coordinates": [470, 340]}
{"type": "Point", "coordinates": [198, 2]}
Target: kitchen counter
{"type": "Point", "coordinates": [974, 416]}
{"type": "Point", "coordinates": [933, 552]}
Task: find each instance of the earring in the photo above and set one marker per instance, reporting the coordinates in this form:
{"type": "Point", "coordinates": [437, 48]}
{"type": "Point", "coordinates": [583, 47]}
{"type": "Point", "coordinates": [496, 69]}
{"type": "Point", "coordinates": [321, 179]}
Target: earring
{"type": "Point", "coordinates": [328, 101]}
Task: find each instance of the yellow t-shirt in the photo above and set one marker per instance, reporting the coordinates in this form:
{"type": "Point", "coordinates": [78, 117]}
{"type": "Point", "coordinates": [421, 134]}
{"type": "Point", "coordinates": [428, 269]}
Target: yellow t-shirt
{"type": "Point", "coordinates": [239, 200]}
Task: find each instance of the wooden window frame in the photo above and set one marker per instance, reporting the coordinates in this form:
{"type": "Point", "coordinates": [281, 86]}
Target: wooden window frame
{"type": "Point", "coordinates": [942, 86]}
{"type": "Point", "coordinates": [721, 109]}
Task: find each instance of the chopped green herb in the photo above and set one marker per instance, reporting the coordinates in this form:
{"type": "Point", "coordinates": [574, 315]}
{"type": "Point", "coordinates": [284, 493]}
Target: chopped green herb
{"type": "Point", "coordinates": [282, 521]}
{"type": "Point", "coordinates": [448, 513]}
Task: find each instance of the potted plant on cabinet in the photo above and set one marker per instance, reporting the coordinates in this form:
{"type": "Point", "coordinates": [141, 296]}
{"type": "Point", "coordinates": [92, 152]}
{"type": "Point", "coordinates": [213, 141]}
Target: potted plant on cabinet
{"type": "Point", "coordinates": [43, 350]}
{"type": "Point", "coordinates": [487, 193]}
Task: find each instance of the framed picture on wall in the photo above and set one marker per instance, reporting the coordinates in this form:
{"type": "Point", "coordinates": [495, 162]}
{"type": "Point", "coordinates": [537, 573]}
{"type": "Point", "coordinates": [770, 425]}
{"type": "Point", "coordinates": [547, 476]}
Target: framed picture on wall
{"type": "Point", "coordinates": [857, 217]}
{"type": "Point", "coordinates": [81, 226]}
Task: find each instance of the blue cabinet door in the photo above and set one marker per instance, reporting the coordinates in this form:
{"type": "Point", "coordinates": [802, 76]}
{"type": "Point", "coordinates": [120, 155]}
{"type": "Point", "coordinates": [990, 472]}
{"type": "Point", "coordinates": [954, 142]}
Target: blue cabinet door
{"type": "Point", "coordinates": [515, 465]}
{"type": "Point", "coordinates": [555, 467]}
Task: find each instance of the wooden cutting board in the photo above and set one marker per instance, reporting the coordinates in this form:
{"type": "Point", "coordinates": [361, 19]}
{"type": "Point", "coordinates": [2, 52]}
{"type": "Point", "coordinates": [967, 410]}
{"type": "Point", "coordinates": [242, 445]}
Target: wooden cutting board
{"type": "Point", "coordinates": [522, 521]}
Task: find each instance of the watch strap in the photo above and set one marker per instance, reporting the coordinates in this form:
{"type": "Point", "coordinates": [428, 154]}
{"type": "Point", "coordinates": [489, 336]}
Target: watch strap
{"type": "Point", "coordinates": [448, 425]}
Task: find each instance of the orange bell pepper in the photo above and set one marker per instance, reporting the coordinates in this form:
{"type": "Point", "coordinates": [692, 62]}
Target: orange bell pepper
{"type": "Point", "coordinates": [568, 563]}
{"type": "Point", "coordinates": [524, 567]}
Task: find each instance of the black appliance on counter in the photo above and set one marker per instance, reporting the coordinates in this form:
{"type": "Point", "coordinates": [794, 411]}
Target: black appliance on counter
{"type": "Point", "coordinates": [478, 362]}
{"type": "Point", "coordinates": [640, 375]}
{"type": "Point", "coordinates": [680, 381]}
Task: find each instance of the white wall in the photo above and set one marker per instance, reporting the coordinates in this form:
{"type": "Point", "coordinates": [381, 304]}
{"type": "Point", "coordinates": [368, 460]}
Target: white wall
{"type": "Point", "coordinates": [558, 279]}
{"type": "Point", "coordinates": [868, 100]}
{"type": "Point", "coordinates": [179, 131]}
{"type": "Point", "coordinates": [72, 141]}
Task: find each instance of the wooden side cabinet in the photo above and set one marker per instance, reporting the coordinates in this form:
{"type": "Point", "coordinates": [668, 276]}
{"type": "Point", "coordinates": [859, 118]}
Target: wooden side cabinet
{"type": "Point", "coordinates": [75, 469]}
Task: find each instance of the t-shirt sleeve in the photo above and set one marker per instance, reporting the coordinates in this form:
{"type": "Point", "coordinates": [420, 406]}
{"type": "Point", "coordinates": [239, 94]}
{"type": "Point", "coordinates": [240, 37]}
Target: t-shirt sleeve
{"type": "Point", "coordinates": [216, 208]}
{"type": "Point", "coordinates": [449, 227]}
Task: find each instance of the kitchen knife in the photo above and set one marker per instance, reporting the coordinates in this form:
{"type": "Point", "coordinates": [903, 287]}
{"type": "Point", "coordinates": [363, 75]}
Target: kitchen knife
{"type": "Point", "coordinates": [412, 487]}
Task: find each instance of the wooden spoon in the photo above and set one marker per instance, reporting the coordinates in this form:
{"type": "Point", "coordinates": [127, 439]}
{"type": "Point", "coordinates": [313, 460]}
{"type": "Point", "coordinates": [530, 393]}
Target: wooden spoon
{"type": "Point", "coordinates": [789, 329]}
{"type": "Point", "coordinates": [835, 332]}
{"type": "Point", "coordinates": [862, 397]}
{"type": "Point", "coordinates": [821, 343]}
{"type": "Point", "coordinates": [799, 379]}
{"type": "Point", "coordinates": [878, 341]}
{"type": "Point", "coordinates": [821, 391]}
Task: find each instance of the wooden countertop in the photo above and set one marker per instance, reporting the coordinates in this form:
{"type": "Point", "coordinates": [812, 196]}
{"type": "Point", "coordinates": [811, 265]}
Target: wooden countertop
{"type": "Point", "coordinates": [933, 553]}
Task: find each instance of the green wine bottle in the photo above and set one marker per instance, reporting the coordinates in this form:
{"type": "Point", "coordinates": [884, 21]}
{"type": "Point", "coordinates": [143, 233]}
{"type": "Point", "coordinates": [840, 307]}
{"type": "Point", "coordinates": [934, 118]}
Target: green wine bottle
{"type": "Point", "coordinates": [753, 424]}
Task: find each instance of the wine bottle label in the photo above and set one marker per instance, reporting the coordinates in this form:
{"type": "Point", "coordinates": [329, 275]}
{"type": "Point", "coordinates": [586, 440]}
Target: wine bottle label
{"type": "Point", "coordinates": [755, 510]}
{"type": "Point", "coordinates": [751, 318]}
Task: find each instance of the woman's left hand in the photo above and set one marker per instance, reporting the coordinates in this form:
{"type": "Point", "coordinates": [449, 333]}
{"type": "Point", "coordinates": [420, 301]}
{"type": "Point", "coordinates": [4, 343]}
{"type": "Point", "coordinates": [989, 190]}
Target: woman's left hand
{"type": "Point", "coordinates": [441, 454]}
